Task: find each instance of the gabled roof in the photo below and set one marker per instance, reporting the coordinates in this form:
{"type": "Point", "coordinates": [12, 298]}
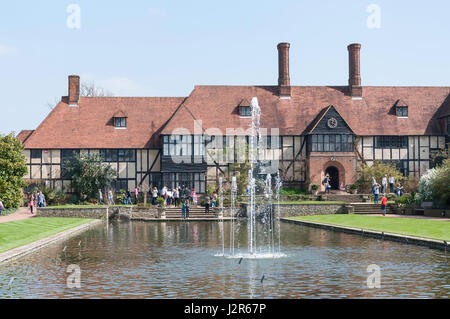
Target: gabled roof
{"type": "Point", "coordinates": [322, 114]}
{"type": "Point", "coordinates": [214, 105]}
{"type": "Point", "coordinates": [90, 125]}
{"type": "Point", "coordinates": [120, 113]}
{"type": "Point", "coordinates": [24, 135]}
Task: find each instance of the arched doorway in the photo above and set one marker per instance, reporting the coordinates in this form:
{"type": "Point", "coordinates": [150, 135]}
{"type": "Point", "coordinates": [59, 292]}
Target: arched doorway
{"type": "Point", "coordinates": [333, 172]}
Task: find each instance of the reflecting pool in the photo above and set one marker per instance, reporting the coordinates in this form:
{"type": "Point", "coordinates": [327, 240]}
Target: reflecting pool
{"type": "Point", "coordinates": [184, 260]}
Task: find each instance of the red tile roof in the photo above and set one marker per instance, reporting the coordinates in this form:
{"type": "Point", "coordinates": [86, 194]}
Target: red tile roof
{"type": "Point", "coordinates": [24, 135]}
{"type": "Point", "coordinates": [215, 106]}
{"type": "Point", "coordinates": [90, 124]}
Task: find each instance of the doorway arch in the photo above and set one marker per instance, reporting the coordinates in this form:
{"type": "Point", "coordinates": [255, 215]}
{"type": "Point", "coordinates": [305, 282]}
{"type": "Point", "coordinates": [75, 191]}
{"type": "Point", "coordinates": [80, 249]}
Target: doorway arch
{"type": "Point", "coordinates": [333, 172]}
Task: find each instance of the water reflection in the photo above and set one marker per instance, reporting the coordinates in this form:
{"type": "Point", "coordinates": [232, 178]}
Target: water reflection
{"type": "Point", "coordinates": [177, 260]}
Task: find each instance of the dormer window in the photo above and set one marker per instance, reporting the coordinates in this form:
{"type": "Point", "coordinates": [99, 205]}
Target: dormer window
{"type": "Point", "coordinates": [402, 111]}
{"type": "Point", "coordinates": [120, 122]}
{"type": "Point", "coordinates": [401, 108]}
{"type": "Point", "coordinates": [244, 108]}
{"type": "Point", "coordinates": [120, 119]}
{"type": "Point", "coordinates": [245, 111]}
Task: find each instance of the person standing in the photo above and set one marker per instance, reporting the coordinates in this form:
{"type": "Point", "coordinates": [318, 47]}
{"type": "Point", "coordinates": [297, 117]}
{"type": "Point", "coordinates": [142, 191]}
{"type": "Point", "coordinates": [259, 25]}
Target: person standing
{"type": "Point", "coordinates": [384, 182]}
{"type": "Point", "coordinates": [110, 197]}
{"type": "Point", "coordinates": [1, 207]}
{"type": "Point", "coordinates": [154, 196]}
{"type": "Point", "coordinates": [207, 202]}
{"type": "Point", "coordinates": [391, 183]}
{"type": "Point", "coordinates": [31, 203]}
{"type": "Point", "coordinates": [374, 182]}
{"type": "Point", "coordinates": [136, 194]}
{"type": "Point", "coordinates": [399, 190]}
{"type": "Point", "coordinates": [169, 197]}
{"type": "Point", "coordinates": [214, 200]}
{"type": "Point", "coordinates": [100, 197]}
{"type": "Point", "coordinates": [41, 199]}
{"type": "Point", "coordinates": [383, 204]}
{"type": "Point", "coordinates": [183, 209]}
{"type": "Point", "coordinates": [176, 196]}
{"type": "Point", "coordinates": [326, 183]}
{"type": "Point", "coordinates": [376, 193]}
{"type": "Point", "coordinates": [128, 198]}
{"type": "Point", "coordinates": [186, 208]}
{"type": "Point", "coordinates": [194, 197]}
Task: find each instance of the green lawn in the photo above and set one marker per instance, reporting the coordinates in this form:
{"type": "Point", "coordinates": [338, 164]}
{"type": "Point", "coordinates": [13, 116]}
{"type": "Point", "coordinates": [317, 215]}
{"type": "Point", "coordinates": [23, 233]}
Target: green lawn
{"type": "Point", "coordinates": [426, 228]}
{"type": "Point", "coordinates": [21, 232]}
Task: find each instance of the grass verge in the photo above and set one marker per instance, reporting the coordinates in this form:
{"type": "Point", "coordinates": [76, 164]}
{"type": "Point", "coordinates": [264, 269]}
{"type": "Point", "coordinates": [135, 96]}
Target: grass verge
{"type": "Point", "coordinates": [425, 228]}
{"type": "Point", "coordinates": [21, 232]}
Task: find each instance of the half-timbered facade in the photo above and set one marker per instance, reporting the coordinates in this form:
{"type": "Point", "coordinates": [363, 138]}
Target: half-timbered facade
{"type": "Point", "coordinates": [308, 131]}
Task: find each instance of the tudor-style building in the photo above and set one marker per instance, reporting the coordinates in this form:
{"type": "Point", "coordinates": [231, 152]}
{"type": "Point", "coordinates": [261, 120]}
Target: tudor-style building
{"type": "Point", "coordinates": [309, 131]}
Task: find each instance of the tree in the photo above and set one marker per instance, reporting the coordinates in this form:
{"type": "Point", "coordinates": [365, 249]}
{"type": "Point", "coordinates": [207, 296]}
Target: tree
{"type": "Point", "coordinates": [434, 185]}
{"type": "Point", "coordinates": [377, 170]}
{"type": "Point", "coordinates": [86, 89]}
{"type": "Point", "coordinates": [12, 170]}
{"type": "Point", "coordinates": [91, 90]}
{"type": "Point", "coordinates": [89, 175]}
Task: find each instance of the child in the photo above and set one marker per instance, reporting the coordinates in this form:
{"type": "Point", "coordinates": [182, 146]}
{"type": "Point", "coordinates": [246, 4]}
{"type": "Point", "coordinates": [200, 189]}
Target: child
{"type": "Point", "coordinates": [383, 204]}
{"type": "Point", "coordinates": [31, 203]}
{"type": "Point", "coordinates": [194, 197]}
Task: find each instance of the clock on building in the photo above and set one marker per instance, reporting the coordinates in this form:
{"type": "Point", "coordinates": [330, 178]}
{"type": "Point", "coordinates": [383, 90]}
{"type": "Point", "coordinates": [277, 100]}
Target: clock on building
{"type": "Point", "coordinates": [332, 122]}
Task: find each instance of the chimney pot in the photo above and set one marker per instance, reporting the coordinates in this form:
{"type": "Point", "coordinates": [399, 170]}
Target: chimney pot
{"type": "Point", "coordinates": [354, 81]}
{"type": "Point", "coordinates": [284, 82]}
{"type": "Point", "coordinates": [74, 89]}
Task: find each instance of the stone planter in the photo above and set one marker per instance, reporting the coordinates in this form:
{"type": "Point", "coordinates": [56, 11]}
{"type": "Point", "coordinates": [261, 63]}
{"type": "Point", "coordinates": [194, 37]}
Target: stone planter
{"type": "Point", "coordinates": [161, 212]}
{"type": "Point", "coordinates": [353, 191]}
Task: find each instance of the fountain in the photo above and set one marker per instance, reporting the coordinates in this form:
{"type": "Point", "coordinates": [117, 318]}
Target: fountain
{"type": "Point", "coordinates": [263, 221]}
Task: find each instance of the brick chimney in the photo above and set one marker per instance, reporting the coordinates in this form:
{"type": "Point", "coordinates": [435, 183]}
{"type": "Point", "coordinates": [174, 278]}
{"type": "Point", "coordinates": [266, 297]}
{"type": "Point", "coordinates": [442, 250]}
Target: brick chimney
{"type": "Point", "coordinates": [74, 89]}
{"type": "Point", "coordinates": [354, 80]}
{"type": "Point", "coordinates": [284, 82]}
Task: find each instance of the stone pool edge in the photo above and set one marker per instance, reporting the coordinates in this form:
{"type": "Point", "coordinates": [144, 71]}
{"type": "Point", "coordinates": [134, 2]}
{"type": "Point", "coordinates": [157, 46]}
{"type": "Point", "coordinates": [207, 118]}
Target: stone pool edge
{"type": "Point", "coordinates": [406, 239]}
{"type": "Point", "coordinates": [41, 243]}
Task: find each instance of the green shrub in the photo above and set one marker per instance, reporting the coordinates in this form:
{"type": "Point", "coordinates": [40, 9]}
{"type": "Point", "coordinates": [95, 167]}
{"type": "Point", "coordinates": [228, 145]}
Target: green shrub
{"type": "Point", "coordinates": [314, 187]}
{"type": "Point", "coordinates": [291, 191]}
{"type": "Point", "coordinates": [160, 202]}
{"type": "Point", "coordinates": [12, 170]}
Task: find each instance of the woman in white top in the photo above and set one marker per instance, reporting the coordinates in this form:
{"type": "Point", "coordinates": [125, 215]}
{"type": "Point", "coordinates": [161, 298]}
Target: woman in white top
{"type": "Point", "coordinates": [391, 183]}
{"type": "Point", "coordinates": [384, 183]}
{"type": "Point", "coordinates": [154, 196]}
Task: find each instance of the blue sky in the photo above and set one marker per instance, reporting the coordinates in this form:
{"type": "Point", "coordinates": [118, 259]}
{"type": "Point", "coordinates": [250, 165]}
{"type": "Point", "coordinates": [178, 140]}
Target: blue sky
{"type": "Point", "coordinates": [164, 48]}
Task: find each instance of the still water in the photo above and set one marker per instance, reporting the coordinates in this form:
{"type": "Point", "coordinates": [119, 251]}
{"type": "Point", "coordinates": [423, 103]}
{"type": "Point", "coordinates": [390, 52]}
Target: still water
{"type": "Point", "coordinates": [179, 260]}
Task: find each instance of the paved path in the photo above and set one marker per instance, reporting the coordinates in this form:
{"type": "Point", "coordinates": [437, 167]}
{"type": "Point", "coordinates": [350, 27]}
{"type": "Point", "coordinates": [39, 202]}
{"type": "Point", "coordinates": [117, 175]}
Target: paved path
{"type": "Point", "coordinates": [409, 216]}
{"type": "Point", "coordinates": [21, 213]}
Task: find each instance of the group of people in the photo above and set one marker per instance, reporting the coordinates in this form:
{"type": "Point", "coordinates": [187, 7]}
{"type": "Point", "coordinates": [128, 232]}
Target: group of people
{"type": "Point", "coordinates": [385, 181]}
{"type": "Point", "coordinates": [382, 189]}
{"type": "Point", "coordinates": [36, 200]}
{"type": "Point", "coordinates": [126, 197]}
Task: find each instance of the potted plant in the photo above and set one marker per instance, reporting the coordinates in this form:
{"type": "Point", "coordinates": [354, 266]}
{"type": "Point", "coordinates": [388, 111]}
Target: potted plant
{"type": "Point", "coordinates": [315, 189]}
{"type": "Point", "coordinates": [353, 189]}
{"type": "Point", "coordinates": [161, 207]}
